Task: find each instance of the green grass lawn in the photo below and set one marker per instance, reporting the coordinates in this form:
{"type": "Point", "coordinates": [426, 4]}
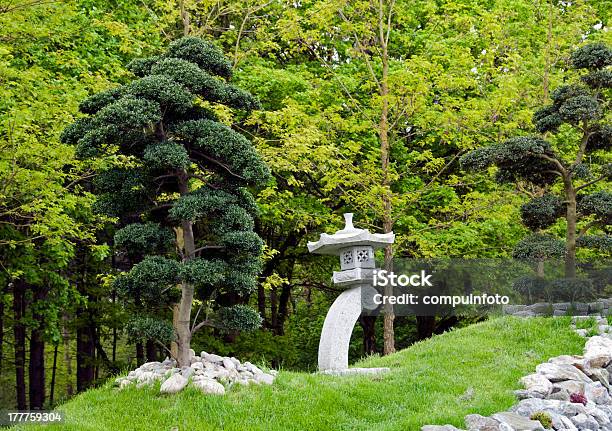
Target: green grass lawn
{"type": "Point", "coordinates": [437, 381]}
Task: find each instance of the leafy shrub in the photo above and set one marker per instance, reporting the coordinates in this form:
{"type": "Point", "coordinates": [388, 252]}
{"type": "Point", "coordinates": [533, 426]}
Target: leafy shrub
{"type": "Point", "coordinates": [544, 418]}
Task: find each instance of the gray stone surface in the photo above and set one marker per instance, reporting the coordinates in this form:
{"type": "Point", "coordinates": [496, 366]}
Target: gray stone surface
{"type": "Point", "coordinates": [517, 422]}
{"type": "Point", "coordinates": [337, 330]}
{"type": "Point", "coordinates": [173, 384]}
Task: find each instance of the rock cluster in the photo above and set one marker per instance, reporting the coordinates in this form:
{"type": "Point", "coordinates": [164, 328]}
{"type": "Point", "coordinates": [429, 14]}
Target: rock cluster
{"type": "Point", "coordinates": [208, 372]}
{"type": "Point", "coordinates": [574, 392]}
{"type": "Point", "coordinates": [600, 307]}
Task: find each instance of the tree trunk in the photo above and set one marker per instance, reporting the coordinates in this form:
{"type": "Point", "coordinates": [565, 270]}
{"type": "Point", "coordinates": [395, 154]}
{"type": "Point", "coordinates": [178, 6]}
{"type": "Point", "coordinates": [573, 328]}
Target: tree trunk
{"type": "Point", "coordinates": [151, 351]}
{"type": "Point", "coordinates": [368, 324]}
{"type": "Point", "coordinates": [37, 369]}
{"type": "Point", "coordinates": [86, 354]}
{"type": "Point", "coordinates": [53, 374]}
{"type": "Point", "coordinates": [139, 354]}
{"type": "Point", "coordinates": [389, 317]}
{"type": "Point", "coordinates": [67, 354]}
{"type": "Point", "coordinates": [175, 318]}
{"type": "Point", "coordinates": [570, 251]}
{"type": "Point", "coordinates": [283, 309]}
{"type": "Point", "coordinates": [183, 330]}
{"type": "Point", "coordinates": [20, 340]}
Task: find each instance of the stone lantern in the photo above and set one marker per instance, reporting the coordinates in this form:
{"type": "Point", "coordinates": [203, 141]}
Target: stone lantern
{"type": "Point", "coordinates": [355, 248]}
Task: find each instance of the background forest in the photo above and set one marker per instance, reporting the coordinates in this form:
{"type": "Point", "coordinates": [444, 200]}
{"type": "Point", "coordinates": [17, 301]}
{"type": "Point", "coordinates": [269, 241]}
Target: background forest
{"type": "Point", "coordinates": [352, 119]}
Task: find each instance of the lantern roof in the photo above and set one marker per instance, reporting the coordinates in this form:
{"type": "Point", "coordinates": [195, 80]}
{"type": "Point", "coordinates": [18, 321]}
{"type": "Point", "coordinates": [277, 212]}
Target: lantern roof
{"type": "Point", "coordinates": [349, 236]}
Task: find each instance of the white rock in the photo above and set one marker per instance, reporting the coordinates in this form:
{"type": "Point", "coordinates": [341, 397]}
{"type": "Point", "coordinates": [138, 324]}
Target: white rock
{"type": "Point", "coordinates": [173, 384]}
{"type": "Point", "coordinates": [228, 364]}
{"type": "Point", "coordinates": [191, 353]}
{"type": "Point", "coordinates": [197, 366]}
{"type": "Point", "coordinates": [597, 393]}
{"type": "Point", "coordinates": [264, 378]}
{"type": "Point", "coordinates": [209, 386]}
{"type": "Point", "coordinates": [598, 352]}
{"type": "Point", "coordinates": [537, 383]}
{"type": "Point", "coordinates": [273, 372]}
{"type": "Point", "coordinates": [252, 368]}
{"type": "Point", "coordinates": [584, 422]}
{"type": "Point", "coordinates": [211, 357]}
{"type": "Point", "coordinates": [560, 372]}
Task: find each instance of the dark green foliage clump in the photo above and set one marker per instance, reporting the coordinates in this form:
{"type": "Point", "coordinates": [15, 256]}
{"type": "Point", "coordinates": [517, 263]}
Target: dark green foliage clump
{"type": "Point", "coordinates": [597, 242]}
{"type": "Point", "coordinates": [532, 288]}
{"type": "Point", "coordinates": [598, 204]}
{"type": "Point", "coordinates": [571, 289]}
{"type": "Point", "coordinates": [141, 329]}
{"type": "Point", "coordinates": [144, 238]}
{"type": "Point", "coordinates": [539, 246]}
{"type": "Point", "coordinates": [593, 56]}
{"type": "Point", "coordinates": [516, 158]}
{"type": "Point", "coordinates": [240, 318]}
{"type": "Point", "coordinates": [542, 212]}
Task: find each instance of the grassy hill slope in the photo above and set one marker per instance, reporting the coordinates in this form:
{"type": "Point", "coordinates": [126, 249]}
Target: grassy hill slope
{"type": "Point", "coordinates": [437, 381]}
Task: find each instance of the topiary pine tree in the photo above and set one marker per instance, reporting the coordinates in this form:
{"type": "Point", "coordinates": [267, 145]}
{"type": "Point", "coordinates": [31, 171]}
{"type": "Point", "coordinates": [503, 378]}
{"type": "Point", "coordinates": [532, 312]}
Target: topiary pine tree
{"type": "Point", "coordinates": [187, 173]}
{"type": "Point", "coordinates": [579, 118]}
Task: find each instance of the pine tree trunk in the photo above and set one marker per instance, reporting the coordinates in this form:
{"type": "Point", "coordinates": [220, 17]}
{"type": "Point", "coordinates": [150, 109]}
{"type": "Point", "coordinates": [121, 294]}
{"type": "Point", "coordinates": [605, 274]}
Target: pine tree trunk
{"type": "Point", "coordinates": [183, 330]}
{"type": "Point", "coordinates": [571, 217]}
{"type": "Point", "coordinates": [67, 354]}
{"type": "Point", "coordinates": [20, 340]}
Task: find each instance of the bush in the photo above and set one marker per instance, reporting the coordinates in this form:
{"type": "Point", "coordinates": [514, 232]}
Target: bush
{"type": "Point", "coordinates": [544, 418]}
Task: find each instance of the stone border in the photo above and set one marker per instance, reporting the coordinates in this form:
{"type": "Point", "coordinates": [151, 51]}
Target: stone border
{"type": "Point", "coordinates": [574, 392]}
{"type": "Point", "coordinates": [544, 309]}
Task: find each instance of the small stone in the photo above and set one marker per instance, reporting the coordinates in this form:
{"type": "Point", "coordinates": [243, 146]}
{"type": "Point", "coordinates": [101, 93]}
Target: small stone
{"type": "Point", "coordinates": [211, 357]}
{"type": "Point", "coordinates": [191, 353]}
{"type": "Point", "coordinates": [584, 422]}
{"type": "Point", "coordinates": [187, 372]}
{"type": "Point", "coordinates": [173, 384]}
{"type": "Point", "coordinates": [598, 352]}
{"type": "Point", "coordinates": [570, 386]}
{"type": "Point", "coordinates": [439, 428]}
{"type": "Point", "coordinates": [264, 378]}
{"type": "Point", "coordinates": [273, 372]}
{"type": "Point", "coordinates": [228, 364]}
{"type": "Point", "coordinates": [597, 393]}
{"type": "Point", "coordinates": [480, 423]}
{"type": "Point", "coordinates": [209, 386]}
{"type": "Point", "coordinates": [582, 332]}
{"type": "Point", "coordinates": [197, 366]}
{"type": "Point", "coordinates": [517, 422]}
{"type": "Point", "coordinates": [252, 368]}
{"type": "Point", "coordinates": [537, 383]}
{"type": "Point", "coordinates": [560, 372]}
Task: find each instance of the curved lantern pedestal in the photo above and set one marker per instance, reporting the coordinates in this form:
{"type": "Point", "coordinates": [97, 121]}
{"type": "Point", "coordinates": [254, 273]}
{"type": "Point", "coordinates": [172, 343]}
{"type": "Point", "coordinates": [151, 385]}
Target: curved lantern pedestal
{"type": "Point", "coordinates": [337, 330]}
{"type": "Point", "coordinates": [336, 335]}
